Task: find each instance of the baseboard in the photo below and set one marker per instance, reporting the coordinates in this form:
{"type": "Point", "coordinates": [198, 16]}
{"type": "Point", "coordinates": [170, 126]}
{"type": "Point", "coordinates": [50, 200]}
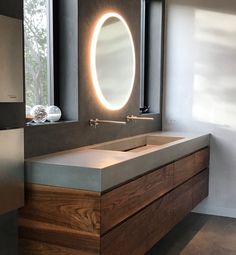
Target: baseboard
{"type": "Point", "coordinates": [217, 211]}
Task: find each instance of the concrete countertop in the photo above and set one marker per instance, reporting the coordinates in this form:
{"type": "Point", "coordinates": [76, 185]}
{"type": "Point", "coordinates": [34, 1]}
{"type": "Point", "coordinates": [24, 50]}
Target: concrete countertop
{"type": "Point", "coordinates": [90, 168]}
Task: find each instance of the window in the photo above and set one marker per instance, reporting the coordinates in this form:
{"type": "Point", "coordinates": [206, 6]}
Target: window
{"type": "Point", "coordinates": [38, 52]}
{"type": "Point", "coordinates": [152, 55]}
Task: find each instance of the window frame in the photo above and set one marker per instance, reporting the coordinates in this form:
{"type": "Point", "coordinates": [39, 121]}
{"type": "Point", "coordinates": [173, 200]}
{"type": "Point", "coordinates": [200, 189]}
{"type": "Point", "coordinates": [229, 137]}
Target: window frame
{"type": "Point", "coordinates": [144, 63]}
{"type": "Point", "coordinates": [50, 43]}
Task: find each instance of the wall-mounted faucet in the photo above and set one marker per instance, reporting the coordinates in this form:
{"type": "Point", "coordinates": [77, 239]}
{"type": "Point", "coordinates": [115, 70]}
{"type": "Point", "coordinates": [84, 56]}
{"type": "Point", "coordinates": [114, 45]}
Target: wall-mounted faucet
{"type": "Point", "coordinates": [133, 118]}
{"type": "Point", "coordinates": [96, 122]}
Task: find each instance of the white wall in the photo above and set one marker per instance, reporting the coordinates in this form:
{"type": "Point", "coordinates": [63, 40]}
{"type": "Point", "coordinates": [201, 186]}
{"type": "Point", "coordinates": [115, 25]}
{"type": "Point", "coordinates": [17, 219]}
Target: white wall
{"type": "Point", "coordinates": [200, 88]}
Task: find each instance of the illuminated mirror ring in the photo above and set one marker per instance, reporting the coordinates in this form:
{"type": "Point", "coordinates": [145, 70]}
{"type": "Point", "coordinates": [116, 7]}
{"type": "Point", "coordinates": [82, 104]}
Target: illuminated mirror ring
{"type": "Point", "coordinates": [112, 61]}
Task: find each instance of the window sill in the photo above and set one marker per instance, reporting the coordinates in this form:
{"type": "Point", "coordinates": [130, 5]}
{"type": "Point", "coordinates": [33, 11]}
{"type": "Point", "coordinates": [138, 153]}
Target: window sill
{"type": "Point", "coordinates": [150, 114]}
{"type": "Point", "coordinates": [63, 122]}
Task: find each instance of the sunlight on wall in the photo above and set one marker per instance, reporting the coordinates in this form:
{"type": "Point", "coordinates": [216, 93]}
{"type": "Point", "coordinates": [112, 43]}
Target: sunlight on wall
{"type": "Point", "coordinates": [200, 88]}
{"type": "Point", "coordinates": [214, 95]}
{"type": "Point", "coordinates": [212, 26]}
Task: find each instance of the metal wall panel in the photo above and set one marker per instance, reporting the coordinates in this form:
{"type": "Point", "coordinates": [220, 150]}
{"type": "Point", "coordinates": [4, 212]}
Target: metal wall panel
{"type": "Point", "coordinates": [11, 56]}
{"type": "Point", "coordinates": [11, 170]}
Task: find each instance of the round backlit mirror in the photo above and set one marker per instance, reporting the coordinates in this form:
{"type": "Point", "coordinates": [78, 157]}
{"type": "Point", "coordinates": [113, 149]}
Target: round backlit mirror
{"type": "Point", "coordinates": [113, 61]}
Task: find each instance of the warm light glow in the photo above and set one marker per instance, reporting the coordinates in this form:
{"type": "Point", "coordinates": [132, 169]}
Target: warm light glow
{"type": "Point", "coordinates": [97, 30]}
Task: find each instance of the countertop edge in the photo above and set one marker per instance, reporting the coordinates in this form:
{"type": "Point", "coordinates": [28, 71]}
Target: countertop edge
{"type": "Point", "coordinates": [101, 180]}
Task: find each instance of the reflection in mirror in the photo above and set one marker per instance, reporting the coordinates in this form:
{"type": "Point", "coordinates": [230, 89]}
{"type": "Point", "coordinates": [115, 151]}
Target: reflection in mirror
{"type": "Point", "coordinates": [113, 61]}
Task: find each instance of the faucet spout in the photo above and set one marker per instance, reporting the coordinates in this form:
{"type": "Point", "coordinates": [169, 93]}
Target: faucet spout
{"type": "Point", "coordinates": [133, 118]}
{"type": "Point", "coordinates": [96, 122]}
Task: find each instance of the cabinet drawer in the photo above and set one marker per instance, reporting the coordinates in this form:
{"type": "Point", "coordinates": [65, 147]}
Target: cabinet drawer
{"type": "Point", "coordinates": [200, 188]}
{"type": "Point", "coordinates": [120, 203]}
{"type": "Point", "coordinates": [184, 169]}
{"type": "Point", "coordinates": [189, 166]}
{"type": "Point", "coordinates": [201, 160]}
{"type": "Point", "coordinates": [181, 202]}
{"type": "Point", "coordinates": [139, 233]}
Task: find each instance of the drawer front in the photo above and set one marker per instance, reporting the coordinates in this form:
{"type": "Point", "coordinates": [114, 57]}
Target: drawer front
{"type": "Point", "coordinates": [181, 202]}
{"type": "Point", "coordinates": [124, 201]}
{"type": "Point", "coordinates": [201, 160]}
{"type": "Point", "coordinates": [184, 169]}
{"type": "Point", "coordinates": [138, 234]}
{"type": "Point", "coordinates": [189, 166]}
{"type": "Point", "coordinates": [200, 188]}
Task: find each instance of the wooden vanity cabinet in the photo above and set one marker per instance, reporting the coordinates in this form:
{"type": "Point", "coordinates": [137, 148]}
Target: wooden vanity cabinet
{"type": "Point", "coordinates": [127, 220]}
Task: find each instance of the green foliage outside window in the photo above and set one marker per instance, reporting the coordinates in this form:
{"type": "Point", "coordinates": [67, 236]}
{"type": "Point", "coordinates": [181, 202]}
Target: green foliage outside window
{"type": "Point", "coordinates": [36, 52]}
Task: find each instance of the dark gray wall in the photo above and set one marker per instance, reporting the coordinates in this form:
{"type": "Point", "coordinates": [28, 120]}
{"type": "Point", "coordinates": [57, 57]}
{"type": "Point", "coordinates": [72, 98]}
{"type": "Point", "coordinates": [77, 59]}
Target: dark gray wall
{"type": "Point", "coordinates": [66, 57]}
{"type": "Point", "coordinates": [12, 8]}
{"type": "Point", "coordinates": [8, 234]}
{"type": "Point", "coordinates": [50, 138]}
{"type": "Point", "coordinates": [57, 137]}
{"type": "Point", "coordinates": [154, 54]}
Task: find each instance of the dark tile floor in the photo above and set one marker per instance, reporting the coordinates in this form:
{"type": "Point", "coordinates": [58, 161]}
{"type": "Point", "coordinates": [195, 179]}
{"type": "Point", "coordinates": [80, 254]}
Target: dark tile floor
{"type": "Point", "coordinates": [199, 234]}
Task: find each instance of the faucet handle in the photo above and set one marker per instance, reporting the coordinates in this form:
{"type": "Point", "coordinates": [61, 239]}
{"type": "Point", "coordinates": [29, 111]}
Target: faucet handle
{"type": "Point", "coordinates": [93, 123]}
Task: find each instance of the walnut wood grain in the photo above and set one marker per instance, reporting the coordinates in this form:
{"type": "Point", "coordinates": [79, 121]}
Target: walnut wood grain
{"type": "Point", "coordinates": [29, 247]}
{"type": "Point", "coordinates": [139, 233]}
{"type": "Point", "coordinates": [187, 167]}
{"type": "Point", "coordinates": [184, 169]}
{"type": "Point", "coordinates": [57, 235]}
{"type": "Point", "coordinates": [181, 201]}
{"type": "Point", "coordinates": [124, 201]}
{"type": "Point", "coordinates": [132, 236]}
{"type": "Point", "coordinates": [60, 218]}
{"type": "Point", "coordinates": [70, 208]}
{"type": "Point", "coordinates": [201, 160]}
{"type": "Point", "coordinates": [127, 220]}
{"type": "Point", "coordinates": [200, 188]}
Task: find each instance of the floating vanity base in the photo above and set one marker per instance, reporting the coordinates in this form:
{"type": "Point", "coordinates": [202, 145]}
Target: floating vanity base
{"type": "Point", "coordinates": [128, 219]}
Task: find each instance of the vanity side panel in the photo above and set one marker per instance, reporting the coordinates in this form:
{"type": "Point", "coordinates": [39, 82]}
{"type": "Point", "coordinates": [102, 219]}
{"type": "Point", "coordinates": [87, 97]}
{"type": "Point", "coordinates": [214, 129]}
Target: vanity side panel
{"type": "Point", "coordinates": [58, 236]}
{"type": "Point", "coordinates": [67, 218]}
{"type": "Point", "coordinates": [41, 248]}
{"type": "Point", "coordinates": [71, 208]}
{"type": "Point", "coordinates": [138, 234]}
